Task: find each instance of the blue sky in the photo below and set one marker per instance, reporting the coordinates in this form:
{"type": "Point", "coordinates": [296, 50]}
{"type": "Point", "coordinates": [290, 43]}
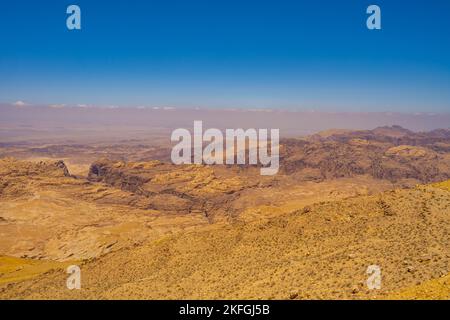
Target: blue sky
{"type": "Point", "coordinates": [244, 54]}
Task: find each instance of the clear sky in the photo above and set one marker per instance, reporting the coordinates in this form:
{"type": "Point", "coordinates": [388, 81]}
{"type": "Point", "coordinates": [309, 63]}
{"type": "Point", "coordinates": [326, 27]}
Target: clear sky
{"type": "Point", "coordinates": [213, 53]}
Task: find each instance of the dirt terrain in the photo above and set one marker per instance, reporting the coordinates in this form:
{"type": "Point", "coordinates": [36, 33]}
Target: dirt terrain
{"type": "Point", "coordinates": [140, 227]}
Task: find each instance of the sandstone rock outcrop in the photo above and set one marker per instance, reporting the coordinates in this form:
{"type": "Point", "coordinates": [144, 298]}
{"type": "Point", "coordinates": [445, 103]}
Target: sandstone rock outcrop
{"type": "Point", "coordinates": [390, 153]}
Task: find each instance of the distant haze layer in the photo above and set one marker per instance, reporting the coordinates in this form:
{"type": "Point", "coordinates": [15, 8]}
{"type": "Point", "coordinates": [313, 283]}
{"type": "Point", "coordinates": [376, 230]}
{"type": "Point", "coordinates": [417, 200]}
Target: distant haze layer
{"type": "Point", "coordinates": [34, 122]}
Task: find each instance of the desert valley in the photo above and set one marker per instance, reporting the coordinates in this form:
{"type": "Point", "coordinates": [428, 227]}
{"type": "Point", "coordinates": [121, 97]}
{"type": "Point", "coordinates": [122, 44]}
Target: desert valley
{"type": "Point", "coordinates": [141, 227]}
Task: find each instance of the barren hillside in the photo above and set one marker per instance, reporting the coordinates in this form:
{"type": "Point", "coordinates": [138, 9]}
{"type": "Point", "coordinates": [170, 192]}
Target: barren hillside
{"type": "Point", "coordinates": [320, 251]}
{"type": "Point", "coordinates": [144, 228]}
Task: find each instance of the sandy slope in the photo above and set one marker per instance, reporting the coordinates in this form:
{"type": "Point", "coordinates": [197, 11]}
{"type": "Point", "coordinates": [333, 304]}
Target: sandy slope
{"type": "Point", "coordinates": [321, 251]}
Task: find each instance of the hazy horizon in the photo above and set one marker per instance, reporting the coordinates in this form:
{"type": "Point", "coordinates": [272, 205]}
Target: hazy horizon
{"type": "Point", "coordinates": [56, 123]}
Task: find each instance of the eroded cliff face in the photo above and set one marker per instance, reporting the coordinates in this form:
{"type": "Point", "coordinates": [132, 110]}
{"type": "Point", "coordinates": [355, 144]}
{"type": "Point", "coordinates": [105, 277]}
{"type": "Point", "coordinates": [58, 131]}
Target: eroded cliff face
{"type": "Point", "coordinates": [180, 189]}
{"type": "Point", "coordinates": [390, 153]}
{"type": "Point", "coordinates": [16, 177]}
{"type": "Point", "coordinates": [45, 213]}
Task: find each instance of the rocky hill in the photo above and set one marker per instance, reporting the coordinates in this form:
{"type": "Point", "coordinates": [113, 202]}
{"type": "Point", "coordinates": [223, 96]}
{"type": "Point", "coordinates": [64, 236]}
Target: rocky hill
{"type": "Point", "coordinates": [390, 153]}
{"type": "Point", "coordinates": [179, 189]}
